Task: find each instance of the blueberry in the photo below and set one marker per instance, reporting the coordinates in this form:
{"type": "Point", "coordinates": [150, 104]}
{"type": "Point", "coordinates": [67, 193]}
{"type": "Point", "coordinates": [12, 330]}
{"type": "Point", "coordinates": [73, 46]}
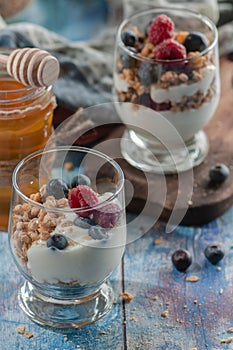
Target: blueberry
{"type": "Point", "coordinates": [126, 60]}
{"type": "Point", "coordinates": [147, 73]}
{"type": "Point", "coordinates": [195, 41]}
{"type": "Point", "coordinates": [80, 179]}
{"type": "Point", "coordinates": [214, 253]}
{"type": "Point", "coordinates": [219, 173]}
{"type": "Point", "coordinates": [83, 222]}
{"type": "Point", "coordinates": [57, 241]}
{"type": "Point", "coordinates": [98, 232]}
{"type": "Point", "coordinates": [129, 38]}
{"type": "Point", "coordinates": [181, 259]}
{"type": "Point", "coordinates": [57, 188]}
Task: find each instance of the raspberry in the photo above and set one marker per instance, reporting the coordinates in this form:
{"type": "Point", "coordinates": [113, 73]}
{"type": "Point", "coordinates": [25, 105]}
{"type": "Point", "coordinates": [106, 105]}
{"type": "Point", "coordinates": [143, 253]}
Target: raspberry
{"type": "Point", "coordinates": [170, 50]}
{"type": "Point", "coordinates": [160, 29]}
{"type": "Point", "coordinates": [107, 216]}
{"type": "Point", "coordinates": [82, 196]}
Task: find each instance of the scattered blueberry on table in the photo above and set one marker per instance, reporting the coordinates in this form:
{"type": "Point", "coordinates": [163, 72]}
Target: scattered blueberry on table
{"type": "Point", "coordinates": [181, 259]}
{"type": "Point", "coordinates": [219, 173]}
{"type": "Point", "coordinates": [214, 253]}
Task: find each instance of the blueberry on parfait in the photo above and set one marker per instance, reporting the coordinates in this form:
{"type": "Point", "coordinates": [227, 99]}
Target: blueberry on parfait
{"type": "Point", "coordinates": [129, 38]}
{"type": "Point", "coordinates": [80, 179]}
{"type": "Point", "coordinates": [195, 41]}
{"type": "Point", "coordinates": [57, 241]}
{"type": "Point", "coordinates": [57, 188]}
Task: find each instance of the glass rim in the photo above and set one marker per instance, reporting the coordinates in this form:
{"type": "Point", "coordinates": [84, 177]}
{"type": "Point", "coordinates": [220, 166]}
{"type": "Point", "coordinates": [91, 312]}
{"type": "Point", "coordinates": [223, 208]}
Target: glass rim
{"type": "Point", "coordinates": [67, 148]}
{"type": "Point", "coordinates": [166, 10]}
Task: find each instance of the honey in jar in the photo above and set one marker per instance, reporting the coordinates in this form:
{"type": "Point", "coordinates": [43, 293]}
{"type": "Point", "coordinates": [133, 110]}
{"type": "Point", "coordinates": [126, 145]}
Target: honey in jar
{"type": "Point", "coordinates": [26, 115]}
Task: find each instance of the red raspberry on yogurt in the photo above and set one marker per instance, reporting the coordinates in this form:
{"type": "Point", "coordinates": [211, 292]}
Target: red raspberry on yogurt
{"type": "Point", "coordinates": [82, 196]}
{"type": "Point", "coordinates": [161, 28]}
{"type": "Point", "coordinates": [170, 50]}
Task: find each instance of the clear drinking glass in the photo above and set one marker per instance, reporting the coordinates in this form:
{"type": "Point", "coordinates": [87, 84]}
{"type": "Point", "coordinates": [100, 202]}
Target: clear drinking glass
{"type": "Point", "coordinates": [181, 94]}
{"type": "Point", "coordinates": [208, 8]}
{"type": "Point", "coordinates": [67, 253]}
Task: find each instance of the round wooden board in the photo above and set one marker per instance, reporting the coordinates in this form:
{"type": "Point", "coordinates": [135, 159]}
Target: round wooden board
{"type": "Point", "coordinates": [207, 202]}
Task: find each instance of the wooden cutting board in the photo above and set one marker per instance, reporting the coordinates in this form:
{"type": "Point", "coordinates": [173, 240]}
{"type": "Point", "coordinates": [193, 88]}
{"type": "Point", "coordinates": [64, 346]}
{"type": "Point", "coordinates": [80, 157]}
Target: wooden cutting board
{"type": "Point", "coordinates": [206, 202]}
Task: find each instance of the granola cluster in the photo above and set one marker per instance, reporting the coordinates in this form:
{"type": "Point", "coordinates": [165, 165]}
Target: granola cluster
{"type": "Point", "coordinates": [35, 223]}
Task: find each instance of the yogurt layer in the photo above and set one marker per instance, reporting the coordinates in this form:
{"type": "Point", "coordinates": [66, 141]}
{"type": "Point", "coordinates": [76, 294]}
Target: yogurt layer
{"type": "Point", "coordinates": [175, 93]}
{"type": "Point", "coordinates": [149, 122]}
{"type": "Point", "coordinates": [84, 261]}
{"type": "Point", "coordinates": [189, 122]}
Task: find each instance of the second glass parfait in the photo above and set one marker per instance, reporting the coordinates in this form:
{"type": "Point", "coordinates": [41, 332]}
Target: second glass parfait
{"type": "Point", "coordinates": [67, 234]}
{"type": "Point", "coordinates": [166, 61]}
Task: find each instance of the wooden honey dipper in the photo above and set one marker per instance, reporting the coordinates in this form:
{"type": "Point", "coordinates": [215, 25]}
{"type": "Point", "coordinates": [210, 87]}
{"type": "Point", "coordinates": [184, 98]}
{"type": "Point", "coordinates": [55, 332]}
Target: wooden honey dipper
{"type": "Point", "coordinates": [32, 66]}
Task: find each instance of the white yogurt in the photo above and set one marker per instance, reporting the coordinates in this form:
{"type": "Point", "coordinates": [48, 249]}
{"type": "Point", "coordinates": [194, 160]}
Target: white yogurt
{"type": "Point", "coordinates": [86, 262]}
{"type": "Point", "coordinates": [187, 122]}
{"type": "Point", "coordinates": [175, 93]}
{"type": "Point", "coordinates": [148, 122]}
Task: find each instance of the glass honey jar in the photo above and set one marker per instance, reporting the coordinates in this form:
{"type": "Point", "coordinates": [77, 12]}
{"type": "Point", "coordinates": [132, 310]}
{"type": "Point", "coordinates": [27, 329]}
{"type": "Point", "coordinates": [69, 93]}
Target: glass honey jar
{"type": "Point", "coordinates": [26, 115]}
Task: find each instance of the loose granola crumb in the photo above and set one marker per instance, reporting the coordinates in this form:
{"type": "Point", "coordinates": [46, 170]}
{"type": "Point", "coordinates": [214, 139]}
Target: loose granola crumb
{"type": "Point", "coordinates": [126, 296]}
{"type": "Point", "coordinates": [28, 335]}
{"type": "Point", "coordinates": [158, 241]}
{"type": "Point", "coordinates": [220, 290]}
{"type": "Point", "coordinates": [133, 319]}
{"type": "Point", "coordinates": [192, 279]}
{"type": "Point", "coordinates": [226, 341]}
{"type": "Point", "coordinates": [102, 333]}
{"type": "Point", "coordinates": [21, 329]}
{"type": "Point", "coordinates": [230, 330]}
{"type": "Point", "coordinates": [164, 313]}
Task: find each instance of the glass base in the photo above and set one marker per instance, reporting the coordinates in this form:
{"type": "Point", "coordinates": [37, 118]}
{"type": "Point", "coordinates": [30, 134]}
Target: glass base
{"type": "Point", "coordinates": [153, 157]}
{"type": "Point", "coordinates": [65, 313]}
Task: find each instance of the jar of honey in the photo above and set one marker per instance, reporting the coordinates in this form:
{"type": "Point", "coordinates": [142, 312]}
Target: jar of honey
{"type": "Point", "coordinates": [26, 115]}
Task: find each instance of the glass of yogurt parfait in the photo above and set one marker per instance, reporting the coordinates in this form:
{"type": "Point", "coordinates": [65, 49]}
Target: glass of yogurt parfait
{"type": "Point", "coordinates": [67, 234]}
{"type": "Point", "coordinates": [166, 60]}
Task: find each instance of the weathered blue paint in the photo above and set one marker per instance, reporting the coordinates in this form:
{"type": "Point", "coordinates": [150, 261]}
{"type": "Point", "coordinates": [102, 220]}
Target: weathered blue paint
{"type": "Point", "coordinates": [199, 314]}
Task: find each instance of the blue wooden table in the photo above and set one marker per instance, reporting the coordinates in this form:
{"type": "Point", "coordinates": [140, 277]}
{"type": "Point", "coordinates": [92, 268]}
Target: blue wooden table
{"type": "Point", "coordinates": [167, 311]}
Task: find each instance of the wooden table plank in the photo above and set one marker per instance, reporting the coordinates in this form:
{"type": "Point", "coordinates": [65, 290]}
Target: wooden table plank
{"type": "Point", "coordinates": [87, 338]}
{"type": "Point", "coordinates": [200, 313]}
